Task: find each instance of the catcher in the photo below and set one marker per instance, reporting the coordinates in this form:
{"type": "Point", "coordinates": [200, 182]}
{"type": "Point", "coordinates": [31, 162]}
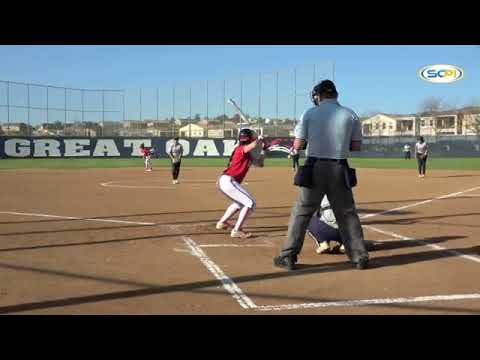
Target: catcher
{"type": "Point", "coordinates": [323, 229]}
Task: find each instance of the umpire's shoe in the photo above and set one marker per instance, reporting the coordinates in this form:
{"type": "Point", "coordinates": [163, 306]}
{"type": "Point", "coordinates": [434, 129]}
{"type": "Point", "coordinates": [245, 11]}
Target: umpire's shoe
{"type": "Point", "coordinates": [285, 262]}
{"type": "Point", "coordinates": [362, 263]}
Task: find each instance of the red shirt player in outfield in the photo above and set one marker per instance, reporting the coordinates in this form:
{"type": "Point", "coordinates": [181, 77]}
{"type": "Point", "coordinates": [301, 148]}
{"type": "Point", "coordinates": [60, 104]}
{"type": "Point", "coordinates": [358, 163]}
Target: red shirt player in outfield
{"type": "Point", "coordinates": [229, 184]}
{"type": "Point", "coordinates": [146, 156]}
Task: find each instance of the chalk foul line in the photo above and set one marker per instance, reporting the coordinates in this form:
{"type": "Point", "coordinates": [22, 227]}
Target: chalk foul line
{"type": "Point", "coordinates": [227, 283]}
{"type": "Point", "coordinates": [433, 246]}
{"type": "Point", "coordinates": [385, 301]}
{"type": "Point", "coordinates": [419, 203]}
{"type": "Point", "coordinates": [77, 218]}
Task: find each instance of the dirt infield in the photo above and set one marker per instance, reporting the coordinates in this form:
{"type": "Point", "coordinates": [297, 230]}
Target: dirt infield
{"type": "Point", "coordinates": [121, 241]}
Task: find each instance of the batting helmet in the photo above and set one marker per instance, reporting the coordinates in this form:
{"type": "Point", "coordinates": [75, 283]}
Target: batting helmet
{"type": "Point", "coordinates": [245, 136]}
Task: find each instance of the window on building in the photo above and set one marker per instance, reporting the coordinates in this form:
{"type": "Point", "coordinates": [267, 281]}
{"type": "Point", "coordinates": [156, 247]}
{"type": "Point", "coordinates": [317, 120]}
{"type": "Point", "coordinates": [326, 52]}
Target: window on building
{"type": "Point", "coordinates": [422, 123]}
{"type": "Point", "coordinates": [384, 126]}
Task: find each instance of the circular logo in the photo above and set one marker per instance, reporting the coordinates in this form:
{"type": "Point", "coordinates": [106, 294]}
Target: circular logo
{"type": "Point", "coordinates": [441, 74]}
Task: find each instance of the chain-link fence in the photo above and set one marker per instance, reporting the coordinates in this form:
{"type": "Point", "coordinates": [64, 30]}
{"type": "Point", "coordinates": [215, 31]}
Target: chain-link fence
{"type": "Point", "coordinates": [274, 101]}
{"type": "Point", "coordinates": [35, 110]}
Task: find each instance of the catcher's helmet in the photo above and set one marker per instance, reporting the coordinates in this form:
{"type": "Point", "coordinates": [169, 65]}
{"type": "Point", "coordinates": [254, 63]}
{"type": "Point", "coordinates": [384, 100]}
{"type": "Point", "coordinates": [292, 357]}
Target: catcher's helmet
{"type": "Point", "coordinates": [324, 87]}
{"type": "Point", "coordinates": [245, 136]}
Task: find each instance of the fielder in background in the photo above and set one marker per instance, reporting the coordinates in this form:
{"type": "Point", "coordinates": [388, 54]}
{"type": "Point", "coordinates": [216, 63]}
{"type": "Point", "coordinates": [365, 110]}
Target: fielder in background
{"type": "Point", "coordinates": [295, 156]}
{"type": "Point", "coordinates": [176, 153]}
{"type": "Point", "coordinates": [406, 152]}
{"type": "Point", "coordinates": [146, 157]}
{"type": "Point", "coordinates": [421, 150]}
{"type": "Point", "coordinates": [230, 184]}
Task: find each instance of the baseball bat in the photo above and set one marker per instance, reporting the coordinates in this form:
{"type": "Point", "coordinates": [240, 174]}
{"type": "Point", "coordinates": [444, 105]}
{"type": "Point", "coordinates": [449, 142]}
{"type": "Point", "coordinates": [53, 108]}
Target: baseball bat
{"type": "Point", "coordinates": [239, 111]}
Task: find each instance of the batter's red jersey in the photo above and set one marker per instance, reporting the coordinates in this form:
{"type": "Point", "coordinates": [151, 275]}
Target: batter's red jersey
{"type": "Point", "coordinates": [239, 164]}
{"type": "Point", "coordinates": [145, 151]}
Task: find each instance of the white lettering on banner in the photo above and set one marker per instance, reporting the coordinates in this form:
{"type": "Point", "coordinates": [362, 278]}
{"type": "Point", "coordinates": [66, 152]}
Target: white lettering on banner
{"type": "Point", "coordinates": [75, 147]}
{"type": "Point", "coordinates": [17, 147]}
{"type": "Point", "coordinates": [228, 146]}
{"type": "Point", "coordinates": [135, 145]}
{"type": "Point", "coordinates": [184, 143]}
{"type": "Point", "coordinates": [46, 148]}
{"type": "Point", "coordinates": [106, 147]}
{"type": "Point", "coordinates": [206, 146]}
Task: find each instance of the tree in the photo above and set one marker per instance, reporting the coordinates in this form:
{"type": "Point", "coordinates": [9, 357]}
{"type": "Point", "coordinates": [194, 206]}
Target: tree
{"type": "Point", "coordinates": [431, 105]}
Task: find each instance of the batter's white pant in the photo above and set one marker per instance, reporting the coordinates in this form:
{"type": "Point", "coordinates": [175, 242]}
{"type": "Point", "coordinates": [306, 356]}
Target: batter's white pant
{"type": "Point", "coordinates": [147, 162]}
{"type": "Point", "coordinates": [235, 192]}
{"type": "Point", "coordinates": [242, 200]}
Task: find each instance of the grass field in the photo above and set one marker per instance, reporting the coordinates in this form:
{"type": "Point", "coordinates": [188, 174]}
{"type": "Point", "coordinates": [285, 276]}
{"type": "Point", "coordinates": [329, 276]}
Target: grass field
{"type": "Point", "coordinates": [379, 163]}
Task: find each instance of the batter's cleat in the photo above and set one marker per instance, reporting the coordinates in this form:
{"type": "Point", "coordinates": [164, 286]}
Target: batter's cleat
{"type": "Point", "coordinates": [240, 234]}
{"type": "Point", "coordinates": [222, 226]}
{"type": "Point", "coordinates": [285, 262]}
{"type": "Point", "coordinates": [323, 248]}
{"type": "Point", "coordinates": [362, 263]}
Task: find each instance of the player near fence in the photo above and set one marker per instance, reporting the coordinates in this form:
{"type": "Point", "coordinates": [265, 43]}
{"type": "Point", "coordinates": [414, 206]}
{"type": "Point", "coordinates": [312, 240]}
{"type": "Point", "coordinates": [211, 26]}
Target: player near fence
{"type": "Point", "coordinates": [146, 157]}
{"type": "Point", "coordinates": [230, 181]}
{"type": "Point", "coordinates": [406, 152]}
{"type": "Point", "coordinates": [176, 153]}
{"type": "Point", "coordinates": [295, 156]}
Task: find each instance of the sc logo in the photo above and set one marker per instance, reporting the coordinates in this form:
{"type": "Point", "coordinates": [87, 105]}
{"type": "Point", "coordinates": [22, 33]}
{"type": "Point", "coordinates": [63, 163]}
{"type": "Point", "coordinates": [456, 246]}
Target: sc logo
{"type": "Point", "coordinates": [441, 73]}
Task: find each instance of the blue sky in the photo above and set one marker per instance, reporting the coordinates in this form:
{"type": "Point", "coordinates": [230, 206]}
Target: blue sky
{"type": "Point", "coordinates": [369, 78]}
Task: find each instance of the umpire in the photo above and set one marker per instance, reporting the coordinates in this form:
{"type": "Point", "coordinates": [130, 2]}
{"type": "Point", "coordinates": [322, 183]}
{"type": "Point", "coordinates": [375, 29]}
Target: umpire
{"type": "Point", "coordinates": [330, 130]}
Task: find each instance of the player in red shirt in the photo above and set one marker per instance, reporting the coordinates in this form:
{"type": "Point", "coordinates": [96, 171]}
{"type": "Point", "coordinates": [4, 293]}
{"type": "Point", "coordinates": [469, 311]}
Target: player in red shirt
{"type": "Point", "coordinates": [229, 184]}
{"type": "Point", "coordinates": [146, 156]}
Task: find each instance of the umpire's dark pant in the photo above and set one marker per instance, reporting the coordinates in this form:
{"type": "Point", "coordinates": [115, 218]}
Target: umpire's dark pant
{"type": "Point", "coordinates": [175, 170]}
{"type": "Point", "coordinates": [330, 178]}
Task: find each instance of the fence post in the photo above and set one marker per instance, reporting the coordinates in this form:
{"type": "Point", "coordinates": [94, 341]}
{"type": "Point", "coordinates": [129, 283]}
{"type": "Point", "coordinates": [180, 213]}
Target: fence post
{"type": "Point", "coordinates": [259, 96]}
{"type": "Point", "coordinates": [241, 93]}
{"type": "Point", "coordinates": [65, 114]}
{"type": "Point", "coordinates": [103, 112]}
{"type": "Point", "coordinates": [276, 104]}
{"type": "Point", "coordinates": [28, 111]}
{"type": "Point", "coordinates": [224, 107]}
{"type": "Point", "coordinates": [123, 104]}
{"type": "Point", "coordinates": [8, 107]}
{"type": "Point", "coordinates": [157, 103]}
{"type": "Point", "coordinates": [83, 114]}
{"type": "Point", "coordinates": [207, 110]}
{"type": "Point", "coordinates": [47, 109]}
{"type": "Point", "coordinates": [295, 95]}
{"type": "Point", "coordinates": [140, 104]}
{"type": "Point", "coordinates": [173, 112]}
{"type": "Point", "coordinates": [190, 113]}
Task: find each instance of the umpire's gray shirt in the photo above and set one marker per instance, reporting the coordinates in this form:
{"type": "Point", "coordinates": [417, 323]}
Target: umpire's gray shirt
{"type": "Point", "coordinates": [329, 128]}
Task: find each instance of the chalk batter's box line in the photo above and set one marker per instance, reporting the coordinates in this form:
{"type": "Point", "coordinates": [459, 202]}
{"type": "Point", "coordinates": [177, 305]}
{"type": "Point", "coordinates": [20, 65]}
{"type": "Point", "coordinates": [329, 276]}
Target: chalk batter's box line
{"type": "Point", "coordinates": [248, 304]}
